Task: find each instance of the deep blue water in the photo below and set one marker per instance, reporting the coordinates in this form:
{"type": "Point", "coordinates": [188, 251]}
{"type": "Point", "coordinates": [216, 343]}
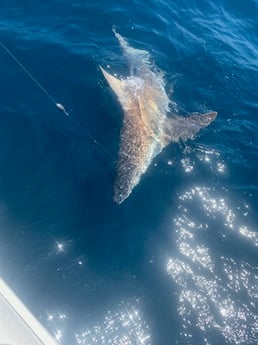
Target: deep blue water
{"type": "Point", "coordinates": [176, 263]}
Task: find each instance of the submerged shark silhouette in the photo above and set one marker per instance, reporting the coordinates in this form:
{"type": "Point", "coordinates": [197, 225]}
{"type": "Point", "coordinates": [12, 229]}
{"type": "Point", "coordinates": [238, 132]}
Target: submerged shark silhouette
{"type": "Point", "coordinates": [146, 128]}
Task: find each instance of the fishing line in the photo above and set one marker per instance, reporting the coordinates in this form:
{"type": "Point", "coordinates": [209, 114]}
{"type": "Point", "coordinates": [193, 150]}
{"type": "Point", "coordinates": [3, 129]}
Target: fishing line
{"type": "Point", "coordinates": [58, 105]}
{"type": "Point", "coordinates": [28, 73]}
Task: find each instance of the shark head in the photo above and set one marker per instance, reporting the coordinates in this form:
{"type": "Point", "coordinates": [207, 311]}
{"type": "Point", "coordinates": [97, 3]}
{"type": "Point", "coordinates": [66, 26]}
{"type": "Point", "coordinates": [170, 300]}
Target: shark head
{"type": "Point", "coordinates": [146, 127]}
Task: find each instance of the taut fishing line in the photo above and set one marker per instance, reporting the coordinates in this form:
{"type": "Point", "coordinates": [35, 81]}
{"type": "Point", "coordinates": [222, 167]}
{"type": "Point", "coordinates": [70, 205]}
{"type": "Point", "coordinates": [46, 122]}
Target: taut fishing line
{"type": "Point", "coordinates": [58, 105]}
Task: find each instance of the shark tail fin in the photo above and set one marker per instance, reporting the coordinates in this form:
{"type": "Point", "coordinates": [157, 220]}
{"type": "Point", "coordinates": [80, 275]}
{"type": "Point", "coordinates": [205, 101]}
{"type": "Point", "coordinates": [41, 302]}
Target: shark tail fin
{"type": "Point", "coordinates": [183, 128]}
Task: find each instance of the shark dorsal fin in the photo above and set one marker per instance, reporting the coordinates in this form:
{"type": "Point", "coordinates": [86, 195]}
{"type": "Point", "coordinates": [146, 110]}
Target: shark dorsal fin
{"type": "Point", "coordinates": [115, 83]}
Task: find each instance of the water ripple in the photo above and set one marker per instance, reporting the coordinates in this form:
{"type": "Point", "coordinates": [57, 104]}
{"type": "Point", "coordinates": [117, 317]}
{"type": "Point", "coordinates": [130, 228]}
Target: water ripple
{"type": "Point", "coordinates": [124, 326]}
{"type": "Point", "coordinates": [208, 291]}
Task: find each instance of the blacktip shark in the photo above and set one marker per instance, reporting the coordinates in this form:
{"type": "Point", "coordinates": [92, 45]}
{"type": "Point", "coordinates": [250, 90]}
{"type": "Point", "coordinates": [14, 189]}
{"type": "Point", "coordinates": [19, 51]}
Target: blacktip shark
{"type": "Point", "coordinates": [148, 124]}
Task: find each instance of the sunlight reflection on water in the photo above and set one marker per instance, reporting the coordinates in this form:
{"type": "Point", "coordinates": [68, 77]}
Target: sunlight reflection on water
{"type": "Point", "coordinates": [210, 157]}
{"type": "Point", "coordinates": [210, 284]}
{"type": "Point", "coordinates": [210, 293]}
{"type": "Point", "coordinates": [122, 327]}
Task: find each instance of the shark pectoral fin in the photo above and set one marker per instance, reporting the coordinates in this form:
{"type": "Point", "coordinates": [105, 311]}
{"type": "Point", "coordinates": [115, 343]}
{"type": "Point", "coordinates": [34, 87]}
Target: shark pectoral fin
{"type": "Point", "coordinates": [183, 128]}
{"type": "Point", "coordinates": [115, 83]}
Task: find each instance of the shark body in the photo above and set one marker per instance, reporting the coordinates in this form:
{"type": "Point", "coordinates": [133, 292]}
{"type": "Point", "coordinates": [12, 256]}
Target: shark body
{"type": "Point", "coordinates": [146, 127]}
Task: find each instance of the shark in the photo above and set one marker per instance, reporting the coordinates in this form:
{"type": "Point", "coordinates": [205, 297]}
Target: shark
{"type": "Point", "coordinates": [149, 124]}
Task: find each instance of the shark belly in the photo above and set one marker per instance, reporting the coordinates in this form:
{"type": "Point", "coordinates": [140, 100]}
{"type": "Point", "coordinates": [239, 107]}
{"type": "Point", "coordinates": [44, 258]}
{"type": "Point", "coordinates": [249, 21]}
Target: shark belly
{"type": "Point", "coordinates": [137, 150]}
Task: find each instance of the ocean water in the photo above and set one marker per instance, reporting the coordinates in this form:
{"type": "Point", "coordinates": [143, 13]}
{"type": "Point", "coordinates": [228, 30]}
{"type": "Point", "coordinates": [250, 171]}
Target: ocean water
{"type": "Point", "coordinates": [176, 263]}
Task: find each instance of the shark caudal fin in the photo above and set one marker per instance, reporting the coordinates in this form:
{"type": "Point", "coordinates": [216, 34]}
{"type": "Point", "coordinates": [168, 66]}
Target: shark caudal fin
{"type": "Point", "coordinates": [183, 128]}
